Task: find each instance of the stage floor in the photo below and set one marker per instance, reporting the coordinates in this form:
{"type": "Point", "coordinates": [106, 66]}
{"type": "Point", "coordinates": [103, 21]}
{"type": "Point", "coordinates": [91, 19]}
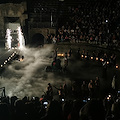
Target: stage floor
{"type": "Point", "coordinates": [29, 77]}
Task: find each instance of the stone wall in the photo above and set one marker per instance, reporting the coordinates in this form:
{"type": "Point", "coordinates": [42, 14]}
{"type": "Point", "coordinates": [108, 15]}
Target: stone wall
{"type": "Point", "coordinates": [43, 31]}
{"type": "Point", "coordinates": [12, 10]}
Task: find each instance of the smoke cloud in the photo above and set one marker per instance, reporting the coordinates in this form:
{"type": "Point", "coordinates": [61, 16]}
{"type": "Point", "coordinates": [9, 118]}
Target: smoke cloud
{"type": "Point", "coordinates": [29, 78]}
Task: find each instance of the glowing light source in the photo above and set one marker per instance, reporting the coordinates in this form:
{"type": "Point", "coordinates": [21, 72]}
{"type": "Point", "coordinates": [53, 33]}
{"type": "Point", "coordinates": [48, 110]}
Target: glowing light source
{"type": "Point", "coordinates": [85, 56]}
{"type": "Point", "coordinates": [1, 65]}
{"type": "Point", "coordinates": [82, 56]}
{"type": "Point", "coordinates": [117, 66]}
{"type": "Point", "coordinates": [9, 38]}
{"type": "Point", "coordinates": [107, 62]}
{"type": "Point", "coordinates": [96, 58]}
{"type": "Point", "coordinates": [60, 55]}
{"type": "Point", "coordinates": [102, 60]}
{"type": "Point", "coordinates": [20, 37]}
{"type": "Point", "coordinates": [21, 59]}
{"type": "Point", "coordinates": [91, 58]}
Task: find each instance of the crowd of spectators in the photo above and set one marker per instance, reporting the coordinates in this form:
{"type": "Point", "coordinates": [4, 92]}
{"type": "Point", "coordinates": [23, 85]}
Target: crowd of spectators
{"type": "Point", "coordinates": [92, 22]}
{"type": "Point", "coordinates": [76, 102]}
{"type": "Point", "coordinates": [87, 106]}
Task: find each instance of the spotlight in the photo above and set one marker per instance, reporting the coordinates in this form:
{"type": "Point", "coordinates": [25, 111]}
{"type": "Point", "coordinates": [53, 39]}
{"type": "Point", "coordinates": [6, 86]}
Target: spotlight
{"type": "Point", "coordinates": [96, 58]}
{"type": "Point", "coordinates": [85, 56]}
{"type": "Point", "coordinates": [4, 63]}
{"type": "Point", "coordinates": [107, 62]}
{"type": "Point", "coordinates": [82, 56]}
{"type": "Point", "coordinates": [91, 58]}
{"type": "Point", "coordinates": [106, 21]}
{"type": "Point", "coordinates": [60, 55]}
{"type": "Point", "coordinates": [9, 58]}
{"type": "Point", "coordinates": [117, 66]}
{"type": "Point", "coordinates": [102, 60]}
{"type": "Point", "coordinates": [1, 65]}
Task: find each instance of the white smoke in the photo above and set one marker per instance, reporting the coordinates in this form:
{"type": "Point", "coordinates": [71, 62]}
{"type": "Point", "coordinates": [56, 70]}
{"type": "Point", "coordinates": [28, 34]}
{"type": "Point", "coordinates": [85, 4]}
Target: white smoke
{"type": "Point", "coordinates": [29, 78]}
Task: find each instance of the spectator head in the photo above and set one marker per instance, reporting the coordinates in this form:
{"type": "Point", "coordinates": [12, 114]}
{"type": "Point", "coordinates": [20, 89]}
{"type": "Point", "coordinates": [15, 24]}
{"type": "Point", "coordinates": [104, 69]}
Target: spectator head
{"type": "Point", "coordinates": [4, 111]}
{"type": "Point", "coordinates": [93, 110]}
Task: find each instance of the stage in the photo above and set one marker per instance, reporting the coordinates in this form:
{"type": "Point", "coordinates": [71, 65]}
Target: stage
{"type": "Point", "coordinates": [29, 77]}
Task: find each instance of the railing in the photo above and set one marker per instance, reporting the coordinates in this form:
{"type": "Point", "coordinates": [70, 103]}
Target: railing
{"type": "Point", "coordinates": [2, 90]}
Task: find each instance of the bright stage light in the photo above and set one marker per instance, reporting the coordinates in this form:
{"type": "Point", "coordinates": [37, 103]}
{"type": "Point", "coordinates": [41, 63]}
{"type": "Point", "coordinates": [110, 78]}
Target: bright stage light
{"type": "Point", "coordinates": [20, 38]}
{"type": "Point", "coordinates": [1, 65]}
{"type": "Point", "coordinates": [91, 58]}
{"type": "Point", "coordinates": [60, 55]}
{"type": "Point", "coordinates": [117, 66]}
{"type": "Point", "coordinates": [102, 60]}
{"type": "Point", "coordinates": [96, 58]}
{"type": "Point", "coordinates": [82, 56]}
{"type": "Point", "coordinates": [9, 38]}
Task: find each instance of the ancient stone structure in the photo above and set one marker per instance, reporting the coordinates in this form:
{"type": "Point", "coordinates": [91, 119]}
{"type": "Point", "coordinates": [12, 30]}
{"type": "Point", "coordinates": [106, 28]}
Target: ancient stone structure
{"type": "Point", "coordinates": [12, 13]}
{"type": "Point", "coordinates": [16, 13]}
{"type": "Point", "coordinates": [43, 31]}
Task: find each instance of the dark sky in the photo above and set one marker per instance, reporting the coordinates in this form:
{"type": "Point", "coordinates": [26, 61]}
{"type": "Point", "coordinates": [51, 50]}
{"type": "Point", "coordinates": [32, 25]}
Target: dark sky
{"type": "Point", "coordinates": [11, 1]}
{"type": "Point", "coordinates": [18, 1]}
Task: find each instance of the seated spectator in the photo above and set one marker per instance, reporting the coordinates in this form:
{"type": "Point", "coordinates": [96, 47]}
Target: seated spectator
{"type": "Point", "coordinates": [5, 112]}
{"type": "Point", "coordinates": [19, 107]}
{"type": "Point", "coordinates": [91, 88]}
{"type": "Point", "coordinates": [93, 110]}
{"type": "Point", "coordinates": [84, 89]}
{"type": "Point", "coordinates": [54, 111]}
{"type": "Point", "coordinates": [65, 89]}
{"type": "Point", "coordinates": [116, 110]}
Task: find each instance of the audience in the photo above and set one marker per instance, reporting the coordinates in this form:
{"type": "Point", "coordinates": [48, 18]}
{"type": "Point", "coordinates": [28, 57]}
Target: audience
{"type": "Point", "coordinates": [91, 22]}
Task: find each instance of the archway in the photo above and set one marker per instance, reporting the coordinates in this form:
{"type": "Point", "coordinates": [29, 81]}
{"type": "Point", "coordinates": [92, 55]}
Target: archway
{"type": "Point", "coordinates": [37, 40]}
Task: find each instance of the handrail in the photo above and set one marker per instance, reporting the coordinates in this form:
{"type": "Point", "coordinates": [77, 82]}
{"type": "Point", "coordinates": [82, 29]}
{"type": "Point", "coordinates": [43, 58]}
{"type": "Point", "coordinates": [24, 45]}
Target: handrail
{"type": "Point", "coordinates": [3, 92]}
